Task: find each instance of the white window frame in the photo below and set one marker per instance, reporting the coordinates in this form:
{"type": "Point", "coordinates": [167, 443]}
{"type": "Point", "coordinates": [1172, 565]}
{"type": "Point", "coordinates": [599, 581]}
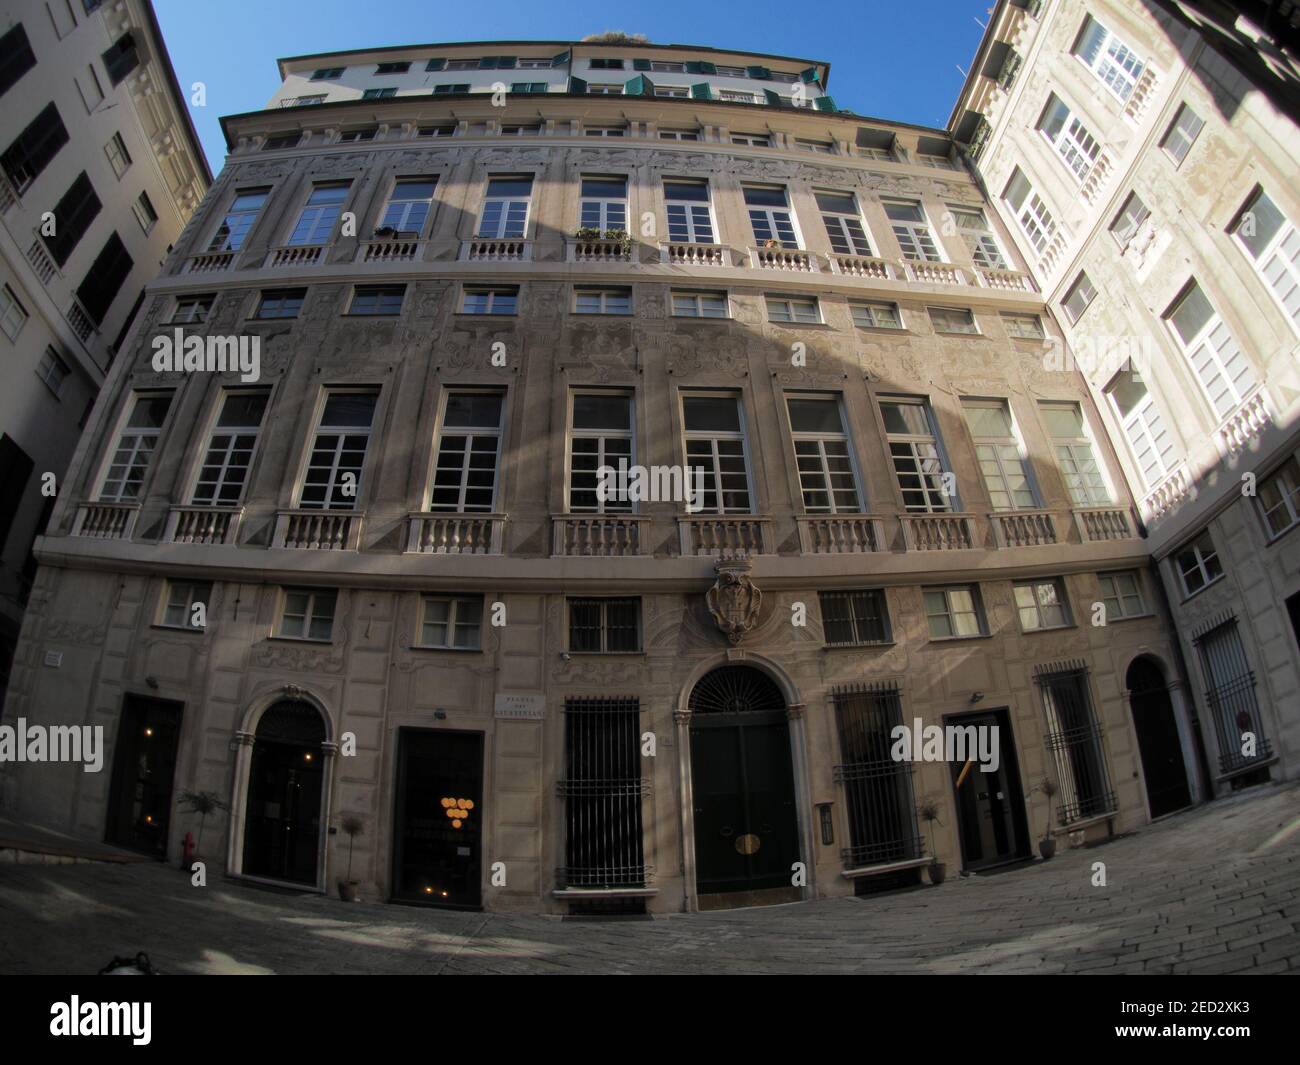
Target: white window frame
{"type": "Point", "coordinates": [605, 131]}
{"type": "Point", "coordinates": [505, 205]}
{"type": "Point", "coordinates": [610, 299]}
{"type": "Point", "coordinates": [145, 213]}
{"type": "Point", "coordinates": [1144, 427]}
{"type": "Point", "coordinates": [1176, 129]}
{"type": "Point", "coordinates": [915, 237]}
{"type": "Point", "coordinates": [752, 140]}
{"type": "Point", "coordinates": [1278, 263]}
{"type": "Point", "coordinates": [341, 432]}
{"type": "Point", "coordinates": [932, 479]}
{"type": "Point", "coordinates": [1072, 142]}
{"type": "Point", "coordinates": [13, 315]}
{"type": "Point", "coordinates": [602, 437]}
{"type": "Point", "coordinates": [492, 292]}
{"type": "Point", "coordinates": [941, 320]}
{"type": "Point", "coordinates": [130, 440]}
{"type": "Point", "coordinates": [471, 433]}
{"type": "Point", "coordinates": [456, 609]}
{"type": "Point", "coordinates": [169, 601]}
{"type": "Point", "coordinates": [610, 211]}
{"type": "Point", "coordinates": [995, 456]}
{"type": "Point", "coordinates": [688, 216]}
{"type": "Point", "coordinates": [315, 222]}
{"type": "Point", "coordinates": [1032, 214]}
{"type": "Point", "coordinates": [789, 306]}
{"type": "Point", "coordinates": [1115, 64]}
{"type": "Point", "coordinates": [193, 309]}
{"type": "Point", "coordinates": [842, 224]}
{"type": "Point", "coordinates": [1080, 285]}
{"type": "Point", "coordinates": [1073, 453]}
{"type": "Point", "coordinates": [871, 309]}
{"type": "Point", "coordinates": [409, 206]}
{"type": "Point", "coordinates": [1037, 606]}
{"type": "Point", "coordinates": [315, 597]}
{"type": "Point", "coordinates": [823, 474]}
{"type": "Point", "coordinates": [1210, 353]}
{"type": "Point", "coordinates": [712, 438]}
{"type": "Point", "coordinates": [774, 218]}
{"type": "Point", "coordinates": [1128, 223]}
{"type": "Point", "coordinates": [118, 156]}
{"type": "Point", "coordinates": [1201, 552]}
{"type": "Point", "coordinates": [246, 218]}
{"type": "Point", "coordinates": [222, 451]}
{"type": "Point", "coordinates": [698, 298]}
{"type": "Point", "coordinates": [1284, 483]}
{"type": "Point", "coordinates": [1112, 592]}
{"type": "Point", "coordinates": [980, 239]}
{"type": "Point", "coordinates": [1016, 332]}
{"type": "Point", "coordinates": [950, 613]}
{"type": "Point", "coordinates": [53, 370]}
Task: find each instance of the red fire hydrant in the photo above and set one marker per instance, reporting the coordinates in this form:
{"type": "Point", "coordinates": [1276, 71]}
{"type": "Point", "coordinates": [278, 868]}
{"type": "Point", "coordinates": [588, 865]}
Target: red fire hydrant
{"type": "Point", "coordinates": [187, 850]}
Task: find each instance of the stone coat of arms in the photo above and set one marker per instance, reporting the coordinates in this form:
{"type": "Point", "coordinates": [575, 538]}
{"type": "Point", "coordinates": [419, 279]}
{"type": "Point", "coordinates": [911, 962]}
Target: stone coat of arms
{"type": "Point", "coordinates": [734, 599]}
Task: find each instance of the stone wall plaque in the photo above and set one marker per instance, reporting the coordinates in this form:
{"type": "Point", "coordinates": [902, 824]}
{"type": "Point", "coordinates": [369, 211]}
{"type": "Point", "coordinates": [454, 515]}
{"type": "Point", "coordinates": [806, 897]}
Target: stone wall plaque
{"type": "Point", "coordinates": [520, 707]}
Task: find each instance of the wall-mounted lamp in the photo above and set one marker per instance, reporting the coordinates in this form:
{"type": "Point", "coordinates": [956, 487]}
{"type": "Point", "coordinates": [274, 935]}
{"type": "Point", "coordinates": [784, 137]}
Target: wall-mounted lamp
{"type": "Point", "coordinates": [975, 697]}
{"type": "Point", "coordinates": [565, 655]}
{"type": "Point", "coordinates": [440, 715]}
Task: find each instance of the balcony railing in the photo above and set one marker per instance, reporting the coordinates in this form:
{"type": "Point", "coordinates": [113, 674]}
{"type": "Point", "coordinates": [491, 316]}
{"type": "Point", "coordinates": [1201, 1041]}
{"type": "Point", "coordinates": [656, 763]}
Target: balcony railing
{"type": "Point", "coordinates": [7, 195]}
{"type": "Point", "coordinates": [1169, 494]}
{"type": "Point", "coordinates": [1141, 95]}
{"type": "Point", "coordinates": [206, 262]}
{"type": "Point", "coordinates": [723, 535]}
{"type": "Point", "coordinates": [1104, 523]}
{"type": "Point", "coordinates": [598, 251]}
{"type": "Point", "coordinates": [41, 262]}
{"type": "Point", "coordinates": [841, 535]}
{"type": "Point", "coordinates": [80, 322]}
{"type": "Point", "coordinates": [1006, 280]}
{"type": "Point", "coordinates": [297, 255]}
{"type": "Point", "coordinates": [693, 254]}
{"type": "Point", "coordinates": [1023, 528]}
{"type": "Point", "coordinates": [792, 259]}
{"type": "Point", "coordinates": [1098, 177]}
{"type": "Point", "coordinates": [938, 532]}
{"type": "Point", "coordinates": [203, 525]}
{"type": "Point", "coordinates": [866, 266]}
{"type": "Point", "coordinates": [389, 251]}
{"type": "Point", "coordinates": [495, 251]}
{"type": "Point", "coordinates": [317, 530]}
{"type": "Point", "coordinates": [935, 273]}
{"type": "Point", "coordinates": [596, 534]}
{"type": "Point", "coordinates": [106, 521]}
{"type": "Point", "coordinates": [1240, 428]}
{"type": "Point", "coordinates": [455, 534]}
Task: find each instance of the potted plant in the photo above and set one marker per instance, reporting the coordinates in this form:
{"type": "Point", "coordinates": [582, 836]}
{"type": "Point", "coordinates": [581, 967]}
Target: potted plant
{"type": "Point", "coordinates": [202, 803]}
{"type": "Point", "coordinates": [587, 233]}
{"type": "Point", "coordinates": [1046, 845]}
{"type": "Point", "coordinates": [621, 237]}
{"type": "Point", "coordinates": [353, 826]}
{"type": "Point", "coordinates": [929, 811]}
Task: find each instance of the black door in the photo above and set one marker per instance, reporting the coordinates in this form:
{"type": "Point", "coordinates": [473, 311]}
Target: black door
{"type": "Point", "coordinates": [144, 764]}
{"type": "Point", "coordinates": [286, 776]}
{"type": "Point", "coordinates": [746, 830]}
{"type": "Point", "coordinates": [439, 817]}
{"type": "Point", "coordinates": [1158, 740]}
{"type": "Point", "coordinates": [990, 806]}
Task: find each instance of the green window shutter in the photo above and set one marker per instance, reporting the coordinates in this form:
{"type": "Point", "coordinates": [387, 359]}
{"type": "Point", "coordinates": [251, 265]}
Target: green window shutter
{"type": "Point", "coordinates": [640, 64]}
{"type": "Point", "coordinates": [702, 91]}
{"type": "Point", "coordinates": [811, 76]}
{"type": "Point", "coordinates": [639, 86]}
{"type": "Point", "coordinates": [701, 68]}
{"type": "Point", "coordinates": [488, 62]}
{"type": "Point", "coordinates": [773, 98]}
{"type": "Point", "coordinates": [761, 73]}
{"type": "Point", "coordinates": [506, 62]}
{"type": "Point", "coordinates": [436, 64]}
{"type": "Point", "coordinates": [825, 103]}
{"type": "Point", "coordinates": [577, 84]}
{"type": "Point", "coordinates": [560, 60]}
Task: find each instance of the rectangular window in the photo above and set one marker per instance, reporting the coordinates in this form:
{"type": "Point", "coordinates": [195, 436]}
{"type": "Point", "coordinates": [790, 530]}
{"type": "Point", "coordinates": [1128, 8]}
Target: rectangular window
{"type": "Point", "coordinates": [1001, 455]}
{"type": "Point", "coordinates": [280, 303]}
{"type": "Point", "coordinates": [526, 88]}
{"type": "Point", "coordinates": [144, 212]}
{"type": "Point", "coordinates": [503, 300]}
{"type": "Point", "coordinates": [469, 445]}
{"type": "Point", "coordinates": [13, 315]}
{"type": "Point", "coordinates": [975, 230]}
{"type": "Point", "coordinates": [593, 89]}
{"type": "Point", "coordinates": [677, 134]}
{"type": "Point", "coordinates": [338, 451]}
{"type": "Point", "coordinates": [16, 57]}
{"type": "Point", "coordinates": [915, 240]}
{"type": "Point", "coordinates": [1066, 132]}
{"type": "Point", "coordinates": [181, 598]}
{"type": "Point", "coordinates": [604, 204]}
{"type": "Point", "coordinates": [1230, 694]}
{"type": "Point", "coordinates": [604, 626]}
{"type": "Point", "coordinates": [667, 68]}
{"type": "Point", "coordinates": [451, 623]}
{"type": "Point", "coordinates": [876, 315]}
{"type": "Point", "coordinates": [456, 89]}
{"type": "Point", "coordinates": [279, 141]}
{"type": "Point", "coordinates": [606, 64]}
{"type": "Point", "coordinates": [1144, 427]}
{"type": "Point", "coordinates": [121, 58]}
{"type": "Point", "coordinates": [524, 129]}
{"type": "Point", "coordinates": [600, 436]}
{"type": "Point", "coordinates": [52, 370]}
{"type": "Point", "coordinates": [32, 150]}
{"type": "Point", "coordinates": [593, 300]}
{"type": "Point", "coordinates": [843, 223]}
{"type": "Point", "coordinates": [793, 309]}
{"type": "Point", "coordinates": [604, 131]}
{"type": "Point", "coordinates": [690, 218]}
{"type": "Point", "coordinates": [1042, 605]}
{"type": "Point", "coordinates": [1221, 366]}
{"type": "Point", "coordinates": [1079, 297]}
{"type": "Point", "coordinates": [1031, 213]}
{"type": "Point", "coordinates": [1121, 594]}
{"type": "Point", "coordinates": [1023, 326]}
{"type": "Point", "coordinates": [118, 157]}
{"type": "Point", "coordinates": [852, 619]}
{"type": "Point", "coordinates": [953, 320]}
{"type": "Point", "coordinates": [676, 92]}
{"type": "Point", "coordinates": [734, 97]}
{"type": "Point", "coordinates": [231, 447]}
{"type": "Point", "coordinates": [827, 477]}
{"type": "Point", "coordinates": [238, 220]}
{"type": "Point", "coordinates": [308, 101]}
{"type": "Point", "coordinates": [354, 136]}
{"type": "Point", "coordinates": [751, 140]}
{"type": "Point", "coordinates": [914, 451]}
{"type": "Point", "coordinates": [392, 68]}
{"type": "Point", "coordinates": [824, 147]}
{"type": "Point", "coordinates": [1112, 61]}
{"type": "Point", "coordinates": [408, 207]}
{"type": "Point", "coordinates": [1271, 241]}
{"type": "Point", "coordinates": [1074, 740]}
{"type": "Point", "coordinates": [602, 788]}
{"type": "Point", "coordinates": [463, 64]}
{"type": "Point", "coordinates": [306, 614]}
{"type": "Point", "coordinates": [1128, 223]}
{"type": "Point", "coordinates": [72, 217]}
{"type": "Point", "coordinates": [104, 279]}
{"type": "Point", "coordinates": [90, 88]}
{"type": "Point", "coordinates": [377, 300]}
{"type": "Point", "coordinates": [699, 304]}
{"type": "Point", "coordinates": [536, 63]}
{"type": "Point", "coordinates": [1182, 134]}
{"type": "Point", "coordinates": [714, 436]}
{"type": "Point", "coordinates": [1198, 564]}
{"type": "Point", "coordinates": [505, 206]}
{"type": "Point", "coordinates": [378, 94]}
{"type": "Point", "coordinates": [1279, 497]}
{"type": "Point", "coordinates": [124, 475]}
{"type": "Point", "coordinates": [1083, 476]}
{"type": "Point", "coordinates": [316, 220]}
{"type": "Point", "coordinates": [954, 612]}
{"type": "Point", "coordinates": [327, 74]}
{"type": "Point", "coordinates": [770, 216]}
{"type": "Point", "coordinates": [437, 129]}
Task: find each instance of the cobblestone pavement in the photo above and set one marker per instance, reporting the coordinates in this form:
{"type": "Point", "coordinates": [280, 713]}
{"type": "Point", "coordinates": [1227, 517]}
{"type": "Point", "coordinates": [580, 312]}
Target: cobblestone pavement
{"type": "Point", "coordinates": [1214, 890]}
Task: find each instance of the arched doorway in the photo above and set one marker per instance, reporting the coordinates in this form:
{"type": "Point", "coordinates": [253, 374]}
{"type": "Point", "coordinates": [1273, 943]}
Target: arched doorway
{"type": "Point", "coordinates": [286, 779]}
{"type": "Point", "coordinates": [1158, 740]}
{"type": "Point", "coordinates": [742, 783]}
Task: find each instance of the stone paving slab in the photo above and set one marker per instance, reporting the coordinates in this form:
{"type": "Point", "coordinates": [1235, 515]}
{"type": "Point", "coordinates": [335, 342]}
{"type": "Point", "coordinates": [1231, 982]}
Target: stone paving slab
{"type": "Point", "coordinates": [1213, 890]}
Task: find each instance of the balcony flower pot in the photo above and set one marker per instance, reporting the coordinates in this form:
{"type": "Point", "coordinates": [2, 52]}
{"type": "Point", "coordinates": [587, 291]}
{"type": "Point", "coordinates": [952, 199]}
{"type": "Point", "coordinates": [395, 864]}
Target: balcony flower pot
{"type": "Point", "coordinates": [1047, 848]}
{"type": "Point", "coordinates": [938, 871]}
{"type": "Point", "coordinates": [587, 233]}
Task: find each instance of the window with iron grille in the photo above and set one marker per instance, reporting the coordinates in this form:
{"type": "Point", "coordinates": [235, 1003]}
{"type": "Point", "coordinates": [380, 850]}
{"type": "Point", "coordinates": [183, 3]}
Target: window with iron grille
{"type": "Point", "coordinates": [601, 789]}
{"type": "Point", "coordinates": [1230, 695]}
{"type": "Point", "coordinates": [604, 626]}
{"type": "Point", "coordinates": [853, 618]}
{"type": "Point", "coordinates": [877, 789]}
{"type": "Point", "coordinates": [1074, 740]}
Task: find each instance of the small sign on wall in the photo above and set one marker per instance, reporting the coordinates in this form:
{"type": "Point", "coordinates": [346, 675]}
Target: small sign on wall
{"type": "Point", "coordinates": [521, 707]}
{"type": "Point", "coordinates": [54, 659]}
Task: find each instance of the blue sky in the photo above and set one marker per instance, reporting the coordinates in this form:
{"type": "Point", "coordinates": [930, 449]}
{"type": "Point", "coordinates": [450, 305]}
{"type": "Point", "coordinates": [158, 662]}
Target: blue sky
{"type": "Point", "coordinates": [890, 58]}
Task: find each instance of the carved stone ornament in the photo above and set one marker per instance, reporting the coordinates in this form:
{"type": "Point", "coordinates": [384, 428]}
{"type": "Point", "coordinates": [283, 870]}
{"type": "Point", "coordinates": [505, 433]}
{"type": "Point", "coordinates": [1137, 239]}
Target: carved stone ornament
{"type": "Point", "coordinates": [734, 600]}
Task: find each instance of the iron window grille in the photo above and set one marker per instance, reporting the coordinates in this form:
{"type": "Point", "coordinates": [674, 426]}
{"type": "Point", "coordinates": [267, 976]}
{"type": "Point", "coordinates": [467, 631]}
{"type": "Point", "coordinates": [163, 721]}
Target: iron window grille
{"type": "Point", "coordinates": [852, 619]}
{"type": "Point", "coordinates": [877, 789]}
{"type": "Point", "coordinates": [1230, 695]}
{"type": "Point", "coordinates": [1074, 739]}
{"type": "Point", "coordinates": [605, 626]}
{"type": "Point", "coordinates": [602, 789]}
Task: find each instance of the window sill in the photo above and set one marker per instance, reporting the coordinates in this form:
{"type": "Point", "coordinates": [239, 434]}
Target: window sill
{"type": "Point", "coordinates": [601, 314]}
{"type": "Point", "coordinates": [798, 325]}
{"type": "Point", "coordinates": [951, 333]}
{"type": "Point", "coordinates": [350, 314]}
{"type": "Point", "coordinates": [1129, 617]}
{"type": "Point", "coordinates": [605, 654]}
{"type": "Point", "coordinates": [447, 650]}
{"type": "Point", "coordinates": [861, 646]}
{"type": "Point", "coordinates": [961, 639]}
{"type": "Point", "coordinates": [702, 318]}
{"type": "Point", "coordinates": [1047, 628]}
{"type": "Point", "coordinates": [177, 628]}
{"type": "Point", "coordinates": [489, 314]}
{"type": "Point", "coordinates": [889, 329]}
{"type": "Point", "coordinates": [301, 639]}
{"type": "Point", "coordinates": [179, 323]}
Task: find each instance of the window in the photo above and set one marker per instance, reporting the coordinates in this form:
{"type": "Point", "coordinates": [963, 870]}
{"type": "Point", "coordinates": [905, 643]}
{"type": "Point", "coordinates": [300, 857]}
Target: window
{"type": "Point", "coordinates": [769, 214]}
{"type": "Point", "coordinates": [667, 68]}
{"type": "Point", "coordinates": [536, 63]}
{"type": "Point", "coordinates": [793, 309]}
{"type": "Point", "coordinates": [699, 304]}
{"type": "Point", "coordinates": [32, 150]}
{"type": "Point", "coordinates": [13, 315]}
{"type": "Point", "coordinates": [104, 279]}
{"type": "Point", "coordinates": [677, 134]}
{"type": "Point", "coordinates": [465, 473]}
{"type": "Point", "coordinates": [378, 300]}
{"type": "Point", "coordinates": [1182, 132]}
{"type": "Point", "coordinates": [604, 203]}
{"type": "Point", "coordinates": [280, 302]}
{"type": "Point", "coordinates": [751, 140]}
{"type": "Point", "coordinates": [855, 618]}
{"type": "Point", "coordinates": [955, 612]}
{"type": "Point", "coordinates": [392, 68]}
{"type": "Point", "coordinates": [1023, 326]}
{"type": "Point", "coordinates": [1198, 564]}
{"type": "Point", "coordinates": [190, 310]}
{"type": "Point", "coordinates": [913, 232]}
{"type": "Point", "coordinates": [118, 157]}
{"type": "Point", "coordinates": [232, 444]}
{"type": "Point", "coordinates": [353, 136]}
{"type": "Point", "coordinates": [827, 478]}
{"type": "Point", "coordinates": [437, 129]}
{"type": "Point", "coordinates": [408, 207]}
{"type": "Point", "coordinates": [527, 87]}
{"type": "Point", "coordinates": [527, 129]}
{"type": "Point", "coordinates": [1074, 739]}
{"type": "Point", "coordinates": [876, 315]}
{"type": "Point", "coordinates": [1144, 427]}
{"type": "Point", "coordinates": [497, 62]}
{"type": "Point", "coordinates": [690, 219]}
{"type": "Point", "coordinates": [1271, 241]}
{"type": "Point", "coordinates": [1001, 456]}
{"type": "Point", "coordinates": [1066, 132]}
{"type": "Point", "coordinates": [238, 220]}
{"type": "Point", "coordinates": [451, 623]}
{"type": "Point", "coordinates": [604, 90]}
{"type": "Point", "coordinates": [734, 97]}
{"type": "Point", "coordinates": [1279, 497]}
{"type": "Point", "coordinates": [1128, 223]}
{"type": "Point", "coordinates": [714, 435]}
{"type": "Point", "coordinates": [16, 57]}
{"type": "Point", "coordinates": [974, 229]}
{"type": "Point", "coordinates": [338, 451]}
{"type": "Point", "coordinates": [938, 162]}
{"type": "Point", "coordinates": [72, 217]}
{"type": "Point", "coordinates": [1230, 693]}
{"type": "Point", "coordinates": [1042, 605]}
{"type": "Point", "coordinates": [843, 223]}
{"type": "Point", "coordinates": [179, 603]}
{"type": "Point", "coordinates": [316, 220]}
{"type": "Point", "coordinates": [502, 300]}
{"type": "Point", "coordinates": [121, 58]}
{"type": "Point", "coordinates": [914, 451]}
{"type": "Point", "coordinates": [678, 92]}
{"type": "Point", "coordinates": [1113, 63]}
{"type": "Point", "coordinates": [378, 94]}
{"type": "Point", "coordinates": [306, 614]}
{"type": "Point", "coordinates": [279, 141]}
{"type": "Point", "coordinates": [327, 74]}
{"type": "Point", "coordinates": [1222, 368]}
{"type": "Point", "coordinates": [92, 91]}
{"type": "Point", "coordinates": [505, 206]}
{"type": "Point", "coordinates": [606, 64]}
{"type": "Point", "coordinates": [1084, 478]}
{"type": "Point", "coordinates": [600, 435]}
{"type": "Point", "coordinates": [730, 72]}
{"type": "Point", "coordinates": [591, 300]}
{"type": "Point", "coordinates": [1121, 594]}
{"type": "Point", "coordinates": [1031, 213]}
{"type": "Point", "coordinates": [144, 212]}
{"type": "Point", "coordinates": [124, 475]}
{"type": "Point", "coordinates": [1079, 297]}
{"type": "Point", "coordinates": [604, 626]}
{"type": "Point", "coordinates": [605, 131]}
{"type": "Point", "coordinates": [455, 89]}
{"type": "Point", "coordinates": [52, 370]}
{"type": "Point", "coordinates": [953, 320]}
{"type": "Point", "coordinates": [824, 147]}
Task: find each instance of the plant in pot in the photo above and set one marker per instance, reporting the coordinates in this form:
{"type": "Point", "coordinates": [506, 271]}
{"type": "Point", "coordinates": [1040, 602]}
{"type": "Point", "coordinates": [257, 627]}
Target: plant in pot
{"type": "Point", "coordinates": [353, 826]}
{"type": "Point", "coordinates": [1046, 845]}
{"type": "Point", "coordinates": [203, 803]}
{"type": "Point", "coordinates": [386, 231]}
{"type": "Point", "coordinates": [929, 811]}
{"type": "Point", "coordinates": [622, 237]}
{"type": "Point", "coordinates": [587, 233]}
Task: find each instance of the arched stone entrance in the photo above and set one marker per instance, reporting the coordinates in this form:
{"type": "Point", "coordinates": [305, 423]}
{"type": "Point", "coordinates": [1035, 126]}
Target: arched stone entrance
{"type": "Point", "coordinates": [1159, 742]}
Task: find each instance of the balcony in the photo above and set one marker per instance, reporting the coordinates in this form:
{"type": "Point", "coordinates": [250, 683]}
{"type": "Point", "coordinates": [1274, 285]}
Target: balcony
{"type": "Point", "coordinates": [1098, 177]}
{"type": "Point", "coordinates": [317, 530]}
{"type": "Point", "coordinates": [675, 254]}
{"type": "Point", "coordinates": [1237, 431]}
{"type": "Point", "coordinates": [596, 535]}
{"type": "Point", "coordinates": [1104, 523]}
{"type": "Point", "coordinates": [7, 195]}
{"type": "Point", "coordinates": [1004, 280]}
{"type": "Point", "coordinates": [598, 251]}
{"type": "Point", "coordinates": [389, 251]}
{"type": "Point", "coordinates": [207, 262]}
{"type": "Point", "coordinates": [41, 262]}
{"type": "Point", "coordinates": [106, 521]}
{"type": "Point", "coordinates": [935, 273]}
{"type": "Point", "coordinates": [938, 532]}
{"type": "Point", "coordinates": [454, 534]}
{"type": "Point", "coordinates": [483, 250]}
{"type": "Point", "coordinates": [1141, 95]}
{"type": "Point", "coordinates": [866, 266]}
{"type": "Point", "coordinates": [203, 525]}
{"type": "Point", "coordinates": [1168, 494]}
{"type": "Point", "coordinates": [297, 255]}
{"type": "Point", "coordinates": [1023, 528]}
{"type": "Point", "coordinates": [841, 535]}
{"type": "Point", "coordinates": [788, 259]}
{"type": "Point", "coordinates": [724, 536]}
{"type": "Point", "coordinates": [81, 322]}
